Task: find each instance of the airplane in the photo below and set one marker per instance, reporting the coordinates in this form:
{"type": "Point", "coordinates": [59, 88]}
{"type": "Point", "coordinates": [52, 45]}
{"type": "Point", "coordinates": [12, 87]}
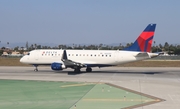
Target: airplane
{"type": "Point", "coordinates": [76, 59]}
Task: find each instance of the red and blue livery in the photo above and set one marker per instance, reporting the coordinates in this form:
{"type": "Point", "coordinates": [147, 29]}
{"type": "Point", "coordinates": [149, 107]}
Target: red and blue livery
{"type": "Point", "coordinates": [144, 42]}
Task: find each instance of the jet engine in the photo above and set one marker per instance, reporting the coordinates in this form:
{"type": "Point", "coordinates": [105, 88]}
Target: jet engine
{"type": "Point", "coordinates": [57, 66]}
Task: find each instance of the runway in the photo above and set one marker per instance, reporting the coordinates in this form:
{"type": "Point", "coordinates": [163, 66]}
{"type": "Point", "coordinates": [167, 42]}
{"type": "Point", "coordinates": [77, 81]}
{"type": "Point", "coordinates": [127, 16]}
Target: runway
{"type": "Point", "coordinates": [160, 82]}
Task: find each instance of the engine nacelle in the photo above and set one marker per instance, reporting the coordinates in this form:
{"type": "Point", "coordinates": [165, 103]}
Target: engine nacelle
{"type": "Point", "coordinates": [57, 66]}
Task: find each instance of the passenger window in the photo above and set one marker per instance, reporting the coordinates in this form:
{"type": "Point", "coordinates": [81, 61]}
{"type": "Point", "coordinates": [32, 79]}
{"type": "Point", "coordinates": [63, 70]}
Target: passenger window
{"type": "Point", "coordinates": [28, 54]}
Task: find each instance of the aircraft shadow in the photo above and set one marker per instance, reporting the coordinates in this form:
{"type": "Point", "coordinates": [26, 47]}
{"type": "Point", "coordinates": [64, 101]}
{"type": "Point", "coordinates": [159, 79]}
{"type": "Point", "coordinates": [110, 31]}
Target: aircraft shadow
{"type": "Point", "coordinates": [94, 72]}
{"type": "Point", "coordinates": [118, 72]}
{"type": "Point", "coordinates": [128, 72]}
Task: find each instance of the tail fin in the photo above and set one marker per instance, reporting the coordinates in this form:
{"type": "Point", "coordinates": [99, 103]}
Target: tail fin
{"type": "Point", "coordinates": [144, 41]}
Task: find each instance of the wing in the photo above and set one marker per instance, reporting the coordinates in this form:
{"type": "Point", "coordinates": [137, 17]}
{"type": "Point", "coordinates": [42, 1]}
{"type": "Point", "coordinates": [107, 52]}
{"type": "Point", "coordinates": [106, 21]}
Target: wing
{"type": "Point", "coordinates": [70, 63]}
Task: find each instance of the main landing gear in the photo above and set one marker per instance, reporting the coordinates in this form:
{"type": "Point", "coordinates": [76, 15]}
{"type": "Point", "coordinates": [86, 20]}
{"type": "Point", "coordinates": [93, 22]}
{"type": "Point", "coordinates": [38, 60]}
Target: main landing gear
{"type": "Point", "coordinates": [77, 70]}
{"type": "Point", "coordinates": [88, 69]}
{"type": "Point", "coordinates": [36, 69]}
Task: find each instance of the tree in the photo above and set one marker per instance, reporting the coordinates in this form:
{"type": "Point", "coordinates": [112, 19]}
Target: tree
{"type": "Point", "coordinates": [177, 51]}
{"type": "Point", "coordinates": [60, 46]}
{"type": "Point", "coordinates": [35, 46]}
{"type": "Point", "coordinates": [27, 46]}
{"type": "Point", "coordinates": [16, 48]}
{"type": "Point", "coordinates": [32, 47]}
{"type": "Point", "coordinates": [44, 47]}
{"type": "Point", "coordinates": [3, 48]}
{"type": "Point", "coordinates": [100, 46]}
{"type": "Point", "coordinates": [38, 46]}
{"type": "Point", "coordinates": [1, 52]}
{"type": "Point", "coordinates": [128, 44]}
{"type": "Point", "coordinates": [166, 46]}
{"type": "Point", "coordinates": [154, 42]}
{"type": "Point", "coordinates": [120, 46]}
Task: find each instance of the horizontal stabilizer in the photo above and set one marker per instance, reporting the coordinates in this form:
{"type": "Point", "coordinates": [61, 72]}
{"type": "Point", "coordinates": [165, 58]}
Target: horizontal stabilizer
{"type": "Point", "coordinates": [142, 55]}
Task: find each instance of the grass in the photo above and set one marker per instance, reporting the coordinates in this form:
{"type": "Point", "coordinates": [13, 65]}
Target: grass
{"type": "Point", "coordinates": [23, 94]}
{"type": "Point", "coordinates": [148, 63]}
{"type": "Point", "coordinates": [16, 94]}
{"type": "Point", "coordinates": [154, 63]}
{"type": "Point", "coordinates": [11, 62]}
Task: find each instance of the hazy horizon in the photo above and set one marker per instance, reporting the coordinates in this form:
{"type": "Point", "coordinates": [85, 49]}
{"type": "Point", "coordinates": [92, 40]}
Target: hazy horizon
{"type": "Point", "coordinates": [87, 22]}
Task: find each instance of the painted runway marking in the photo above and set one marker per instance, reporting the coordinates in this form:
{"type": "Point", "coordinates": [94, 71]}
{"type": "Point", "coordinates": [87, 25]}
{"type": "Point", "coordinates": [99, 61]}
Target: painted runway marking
{"type": "Point", "coordinates": [170, 97]}
{"type": "Point", "coordinates": [75, 85]}
{"type": "Point", "coordinates": [174, 97]}
{"type": "Point", "coordinates": [117, 100]}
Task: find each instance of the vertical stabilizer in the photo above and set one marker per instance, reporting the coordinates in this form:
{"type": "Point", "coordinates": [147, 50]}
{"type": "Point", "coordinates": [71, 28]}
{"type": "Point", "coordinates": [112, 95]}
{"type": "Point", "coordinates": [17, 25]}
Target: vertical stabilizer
{"type": "Point", "coordinates": [144, 42]}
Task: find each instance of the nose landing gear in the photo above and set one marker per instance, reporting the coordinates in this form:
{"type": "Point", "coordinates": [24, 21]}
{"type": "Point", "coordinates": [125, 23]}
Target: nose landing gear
{"type": "Point", "coordinates": [36, 69]}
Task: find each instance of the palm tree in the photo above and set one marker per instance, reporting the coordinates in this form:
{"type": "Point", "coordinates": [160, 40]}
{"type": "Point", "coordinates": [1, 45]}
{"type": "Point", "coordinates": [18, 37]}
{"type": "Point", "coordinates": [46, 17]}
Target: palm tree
{"type": "Point", "coordinates": [27, 45]}
{"type": "Point", "coordinates": [8, 43]}
{"type": "Point", "coordinates": [35, 46]}
{"type": "Point", "coordinates": [32, 46]}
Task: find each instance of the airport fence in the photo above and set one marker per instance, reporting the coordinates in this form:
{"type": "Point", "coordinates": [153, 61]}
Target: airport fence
{"type": "Point", "coordinates": [167, 58]}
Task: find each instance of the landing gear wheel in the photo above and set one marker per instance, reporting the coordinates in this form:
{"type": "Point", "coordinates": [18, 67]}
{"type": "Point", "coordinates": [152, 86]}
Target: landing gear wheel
{"type": "Point", "coordinates": [77, 70]}
{"type": "Point", "coordinates": [88, 69]}
{"type": "Point", "coordinates": [36, 69]}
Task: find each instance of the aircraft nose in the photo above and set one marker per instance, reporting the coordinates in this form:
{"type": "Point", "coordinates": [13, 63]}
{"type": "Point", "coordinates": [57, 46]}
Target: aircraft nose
{"type": "Point", "coordinates": [22, 60]}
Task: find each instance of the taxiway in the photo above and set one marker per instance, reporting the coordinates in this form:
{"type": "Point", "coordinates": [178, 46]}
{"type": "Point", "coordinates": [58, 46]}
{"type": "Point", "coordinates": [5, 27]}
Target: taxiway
{"type": "Point", "coordinates": [160, 82]}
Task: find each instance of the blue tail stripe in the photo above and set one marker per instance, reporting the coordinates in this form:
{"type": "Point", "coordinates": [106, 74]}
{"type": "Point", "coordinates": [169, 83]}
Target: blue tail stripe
{"type": "Point", "coordinates": [150, 28]}
{"type": "Point", "coordinates": [134, 47]}
{"type": "Point", "coordinates": [146, 43]}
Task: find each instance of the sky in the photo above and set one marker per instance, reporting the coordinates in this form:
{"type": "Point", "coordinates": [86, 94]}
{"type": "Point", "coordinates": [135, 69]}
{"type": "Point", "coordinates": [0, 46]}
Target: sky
{"type": "Point", "coordinates": [87, 21]}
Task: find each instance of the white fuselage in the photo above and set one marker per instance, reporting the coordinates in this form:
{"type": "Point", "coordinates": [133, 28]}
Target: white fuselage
{"type": "Point", "coordinates": [104, 57]}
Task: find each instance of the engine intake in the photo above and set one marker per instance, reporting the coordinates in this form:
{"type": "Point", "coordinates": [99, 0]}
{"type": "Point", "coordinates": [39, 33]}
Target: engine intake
{"type": "Point", "coordinates": [57, 66]}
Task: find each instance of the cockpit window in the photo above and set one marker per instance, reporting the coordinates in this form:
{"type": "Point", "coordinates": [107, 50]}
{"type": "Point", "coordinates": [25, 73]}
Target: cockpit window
{"type": "Point", "coordinates": [28, 54]}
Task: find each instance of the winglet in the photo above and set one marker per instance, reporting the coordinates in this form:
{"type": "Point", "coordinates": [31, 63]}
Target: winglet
{"type": "Point", "coordinates": [64, 55]}
{"type": "Point", "coordinates": [144, 42]}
